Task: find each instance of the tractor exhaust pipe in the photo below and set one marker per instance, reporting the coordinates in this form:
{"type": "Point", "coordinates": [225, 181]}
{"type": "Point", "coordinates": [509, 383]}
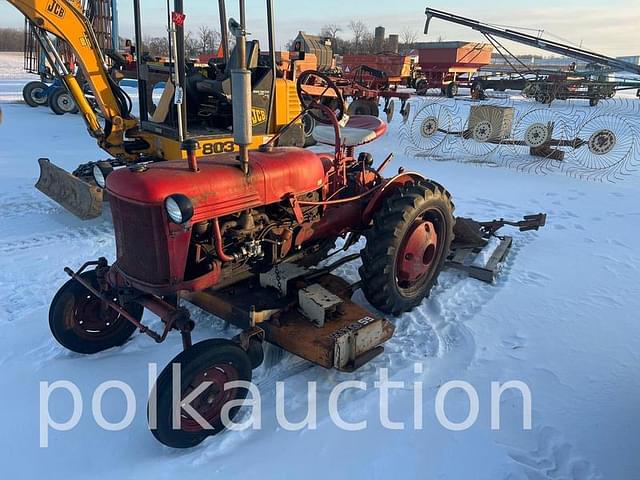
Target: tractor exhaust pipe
{"type": "Point", "coordinates": [241, 91]}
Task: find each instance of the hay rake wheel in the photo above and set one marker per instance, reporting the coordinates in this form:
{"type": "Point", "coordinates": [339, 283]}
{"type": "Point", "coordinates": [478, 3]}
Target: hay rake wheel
{"type": "Point", "coordinates": [429, 128]}
{"type": "Point", "coordinates": [535, 129]}
{"type": "Point", "coordinates": [479, 140]}
{"type": "Point", "coordinates": [604, 149]}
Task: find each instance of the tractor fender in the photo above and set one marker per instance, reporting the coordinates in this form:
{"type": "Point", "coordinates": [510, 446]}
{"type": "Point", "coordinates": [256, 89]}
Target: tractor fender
{"type": "Point", "coordinates": [388, 188]}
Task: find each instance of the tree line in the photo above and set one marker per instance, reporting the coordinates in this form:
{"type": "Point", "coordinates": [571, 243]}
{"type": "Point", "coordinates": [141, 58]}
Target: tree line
{"type": "Point", "coordinates": [362, 39]}
{"type": "Point", "coordinates": [11, 40]}
{"type": "Point", "coordinates": [207, 40]}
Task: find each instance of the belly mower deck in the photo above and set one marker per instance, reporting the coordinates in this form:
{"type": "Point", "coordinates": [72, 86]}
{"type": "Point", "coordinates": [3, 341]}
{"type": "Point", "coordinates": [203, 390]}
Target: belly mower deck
{"type": "Point", "coordinates": [313, 317]}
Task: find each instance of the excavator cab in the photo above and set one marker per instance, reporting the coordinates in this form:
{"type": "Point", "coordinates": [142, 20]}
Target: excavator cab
{"type": "Point", "coordinates": [209, 93]}
{"type": "Point", "coordinates": [181, 96]}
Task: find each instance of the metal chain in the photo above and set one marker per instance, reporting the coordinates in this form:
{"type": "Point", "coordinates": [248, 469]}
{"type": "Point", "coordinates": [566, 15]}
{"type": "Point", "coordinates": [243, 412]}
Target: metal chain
{"type": "Point", "coordinates": [278, 279]}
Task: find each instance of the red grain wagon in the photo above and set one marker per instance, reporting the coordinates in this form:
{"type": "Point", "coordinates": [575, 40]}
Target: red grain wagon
{"type": "Point", "coordinates": [449, 65]}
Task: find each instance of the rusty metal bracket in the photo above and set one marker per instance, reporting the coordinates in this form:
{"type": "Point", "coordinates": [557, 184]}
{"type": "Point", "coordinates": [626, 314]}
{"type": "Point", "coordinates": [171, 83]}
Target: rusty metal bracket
{"type": "Point", "coordinates": [244, 338]}
{"type": "Point", "coordinates": [297, 210]}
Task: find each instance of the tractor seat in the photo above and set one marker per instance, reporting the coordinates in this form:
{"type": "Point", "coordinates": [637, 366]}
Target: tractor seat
{"type": "Point", "coordinates": [223, 87]}
{"type": "Point", "coordinates": [360, 129]}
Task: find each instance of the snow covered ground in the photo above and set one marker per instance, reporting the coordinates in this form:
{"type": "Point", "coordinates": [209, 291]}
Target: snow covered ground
{"type": "Point", "coordinates": [562, 317]}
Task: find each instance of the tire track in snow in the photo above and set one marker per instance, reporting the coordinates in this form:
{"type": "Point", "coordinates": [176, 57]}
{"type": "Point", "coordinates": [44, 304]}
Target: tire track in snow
{"type": "Point", "coordinates": [70, 234]}
{"type": "Point", "coordinates": [28, 290]}
{"type": "Point", "coordinates": [26, 204]}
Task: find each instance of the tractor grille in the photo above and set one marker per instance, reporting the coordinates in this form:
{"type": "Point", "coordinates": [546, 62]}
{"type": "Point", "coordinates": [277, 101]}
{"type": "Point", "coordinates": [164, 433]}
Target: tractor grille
{"type": "Point", "coordinates": [141, 241]}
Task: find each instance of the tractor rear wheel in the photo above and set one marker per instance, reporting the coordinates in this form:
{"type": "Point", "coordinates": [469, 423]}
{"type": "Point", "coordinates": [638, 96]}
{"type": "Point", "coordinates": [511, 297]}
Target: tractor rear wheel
{"type": "Point", "coordinates": [79, 322]}
{"type": "Point", "coordinates": [34, 94]}
{"type": "Point", "coordinates": [61, 102]}
{"type": "Point", "coordinates": [216, 362]}
{"type": "Point", "coordinates": [407, 246]}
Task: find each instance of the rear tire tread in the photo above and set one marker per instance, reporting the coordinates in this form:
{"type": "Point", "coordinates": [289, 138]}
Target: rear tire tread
{"type": "Point", "coordinates": [385, 237]}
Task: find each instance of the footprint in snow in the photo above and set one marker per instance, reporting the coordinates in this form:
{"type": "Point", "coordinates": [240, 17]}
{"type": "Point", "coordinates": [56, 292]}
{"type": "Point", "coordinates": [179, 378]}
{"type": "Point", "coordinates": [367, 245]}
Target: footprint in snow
{"type": "Point", "coordinates": [553, 458]}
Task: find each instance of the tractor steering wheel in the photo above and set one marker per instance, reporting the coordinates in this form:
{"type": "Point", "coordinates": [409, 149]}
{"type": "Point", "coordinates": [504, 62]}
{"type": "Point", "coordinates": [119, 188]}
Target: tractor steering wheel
{"type": "Point", "coordinates": [317, 90]}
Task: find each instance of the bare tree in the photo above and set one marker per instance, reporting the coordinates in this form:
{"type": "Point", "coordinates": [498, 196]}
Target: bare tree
{"type": "Point", "coordinates": [192, 45]}
{"type": "Point", "coordinates": [208, 38]}
{"type": "Point", "coordinates": [360, 34]}
{"type": "Point", "coordinates": [330, 30]}
{"type": "Point", "coordinates": [157, 46]}
{"type": "Point", "coordinates": [409, 37]}
{"type": "Point", "coordinates": [288, 47]}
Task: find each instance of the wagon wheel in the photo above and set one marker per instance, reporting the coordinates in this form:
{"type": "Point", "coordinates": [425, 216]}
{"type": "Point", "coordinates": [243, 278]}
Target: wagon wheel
{"type": "Point", "coordinates": [205, 369]}
{"type": "Point", "coordinates": [389, 110]}
{"type": "Point", "coordinates": [81, 323]}
{"type": "Point", "coordinates": [451, 90]}
{"type": "Point", "coordinates": [405, 111]}
{"type": "Point", "coordinates": [316, 88]}
{"type": "Point", "coordinates": [364, 106]}
{"type": "Point", "coordinates": [407, 247]}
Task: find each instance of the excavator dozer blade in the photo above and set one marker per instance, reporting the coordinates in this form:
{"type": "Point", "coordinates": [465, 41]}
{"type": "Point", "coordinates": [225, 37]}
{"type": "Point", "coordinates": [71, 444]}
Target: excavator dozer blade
{"type": "Point", "coordinates": [79, 197]}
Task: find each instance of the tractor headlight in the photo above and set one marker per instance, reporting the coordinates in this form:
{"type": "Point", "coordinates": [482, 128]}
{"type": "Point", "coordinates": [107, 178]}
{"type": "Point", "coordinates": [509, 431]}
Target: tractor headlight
{"type": "Point", "coordinates": [179, 208]}
{"type": "Point", "coordinates": [100, 172]}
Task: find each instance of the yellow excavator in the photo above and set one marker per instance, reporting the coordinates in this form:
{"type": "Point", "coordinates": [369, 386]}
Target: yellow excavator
{"type": "Point", "coordinates": [195, 99]}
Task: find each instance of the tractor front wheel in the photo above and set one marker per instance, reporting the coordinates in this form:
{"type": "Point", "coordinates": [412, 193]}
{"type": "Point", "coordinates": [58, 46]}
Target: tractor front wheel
{"type": "Point", "coordinates": [407, 246]}
{"type": "Point", "coordinates": [80, 322]}
{"type": "Point", "coordinates": [201, 373]}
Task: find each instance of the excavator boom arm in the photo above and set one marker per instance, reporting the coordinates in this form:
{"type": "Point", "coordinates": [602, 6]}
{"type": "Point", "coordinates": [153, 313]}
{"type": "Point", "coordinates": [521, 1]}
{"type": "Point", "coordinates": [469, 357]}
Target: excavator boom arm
{"type": "Point", "coordinates": [65, 19]}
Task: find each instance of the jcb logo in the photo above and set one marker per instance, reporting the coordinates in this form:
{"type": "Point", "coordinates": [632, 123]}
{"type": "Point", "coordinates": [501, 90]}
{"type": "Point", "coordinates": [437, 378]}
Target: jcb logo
{"type": "Point", "coordinates": [55, 8]}
{"type": "Point", "coordinates": [258, 116]}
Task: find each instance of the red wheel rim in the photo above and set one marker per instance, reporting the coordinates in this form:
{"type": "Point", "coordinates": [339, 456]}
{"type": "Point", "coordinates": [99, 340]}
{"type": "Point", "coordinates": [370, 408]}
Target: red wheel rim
{"type": "Point", "coordinates": [91, 318]}
{"type": "Point", "coordinates": [417, 253]}
{"type": "Point", "coordinates": [210, 402]}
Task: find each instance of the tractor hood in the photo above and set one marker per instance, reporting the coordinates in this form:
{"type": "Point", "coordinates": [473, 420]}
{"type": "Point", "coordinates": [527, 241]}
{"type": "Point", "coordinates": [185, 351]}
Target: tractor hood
{"type": "Point", "coordinates": [220, 187]}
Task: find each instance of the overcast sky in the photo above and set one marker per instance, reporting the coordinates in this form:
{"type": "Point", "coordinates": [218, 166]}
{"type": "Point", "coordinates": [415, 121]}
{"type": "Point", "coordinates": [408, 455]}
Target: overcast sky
{"type": "Point", "coordinates": [608, 27]}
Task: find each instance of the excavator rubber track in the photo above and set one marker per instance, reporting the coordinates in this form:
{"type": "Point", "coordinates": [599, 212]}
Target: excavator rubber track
{"type": "Point", "coordinates": [82, 199]}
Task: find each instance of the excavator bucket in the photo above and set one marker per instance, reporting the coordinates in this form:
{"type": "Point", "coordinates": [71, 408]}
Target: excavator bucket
{"type": "Point", "coordinates": [79, 197]}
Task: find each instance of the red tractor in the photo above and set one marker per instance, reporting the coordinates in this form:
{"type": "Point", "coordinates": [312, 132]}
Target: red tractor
{"type": "Point", "coordinates": [241, 236]}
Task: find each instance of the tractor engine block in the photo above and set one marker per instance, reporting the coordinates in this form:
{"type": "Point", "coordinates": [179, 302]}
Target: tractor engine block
{"type": "Point", "coordinates": [251, 240]}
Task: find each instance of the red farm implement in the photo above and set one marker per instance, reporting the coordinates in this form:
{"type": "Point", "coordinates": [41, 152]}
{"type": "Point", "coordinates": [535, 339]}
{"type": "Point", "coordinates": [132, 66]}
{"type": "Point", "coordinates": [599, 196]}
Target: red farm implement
{"type": "Point", "coordinates": [449, 65]}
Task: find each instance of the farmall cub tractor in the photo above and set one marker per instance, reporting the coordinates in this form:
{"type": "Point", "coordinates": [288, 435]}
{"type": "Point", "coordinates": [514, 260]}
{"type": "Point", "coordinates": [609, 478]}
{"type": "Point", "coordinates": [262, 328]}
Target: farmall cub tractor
{"type": "Point", "coordinates": [241, 236]}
